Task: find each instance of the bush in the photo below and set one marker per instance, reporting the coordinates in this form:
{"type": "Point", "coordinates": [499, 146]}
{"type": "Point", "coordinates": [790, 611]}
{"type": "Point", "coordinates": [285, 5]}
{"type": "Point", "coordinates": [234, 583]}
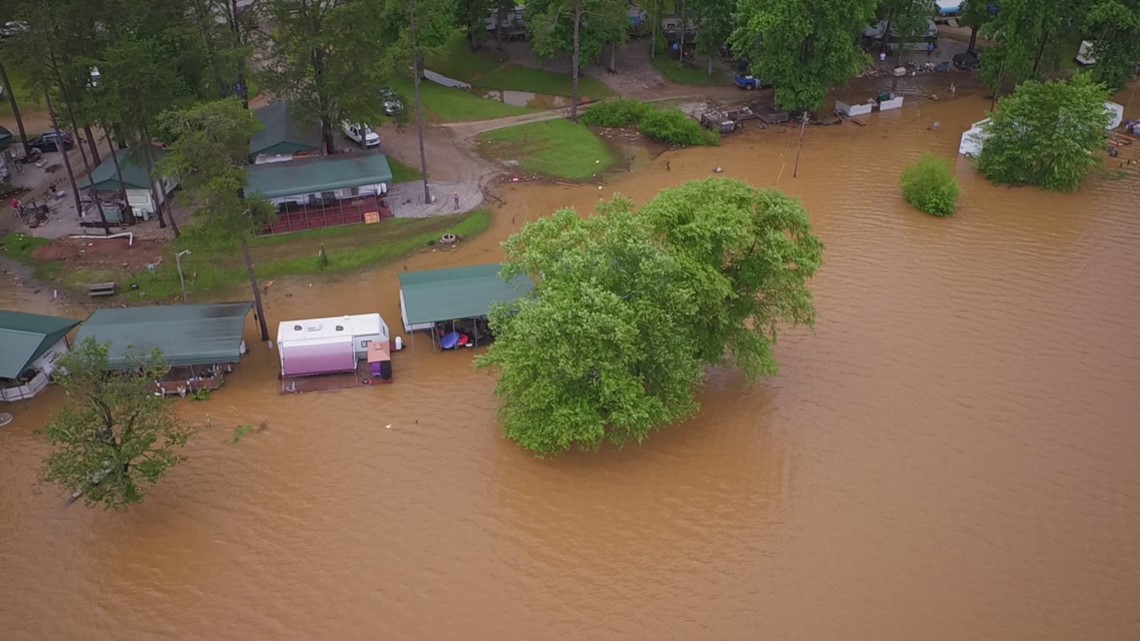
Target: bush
{"type": "Point", "coordinates": [670, 126]}
{"type": "Point", "coordinates": [929, 186]}
{"type": "Point", "coordinates": [615, 113]}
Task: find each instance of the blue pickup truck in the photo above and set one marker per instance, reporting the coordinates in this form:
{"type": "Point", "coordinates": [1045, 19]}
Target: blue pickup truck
{"type": "Point", "coordinates": [749, 82]}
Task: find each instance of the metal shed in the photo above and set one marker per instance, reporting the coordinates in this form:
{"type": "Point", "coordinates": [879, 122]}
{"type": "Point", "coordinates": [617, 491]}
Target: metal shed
{"type": "Point", "coordinates": [186, 334]}
{"type": "Point", "coordinates": [29, 346]}
{"type": "Point", "coordinates": [282, 137]}
{"type": "Point", "coordinates": [440, 295]}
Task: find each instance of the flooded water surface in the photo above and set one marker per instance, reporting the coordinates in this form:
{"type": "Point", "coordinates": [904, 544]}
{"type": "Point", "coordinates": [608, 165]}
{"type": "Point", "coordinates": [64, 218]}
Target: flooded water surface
{"type": "Point", "coordinates": [953, 453]}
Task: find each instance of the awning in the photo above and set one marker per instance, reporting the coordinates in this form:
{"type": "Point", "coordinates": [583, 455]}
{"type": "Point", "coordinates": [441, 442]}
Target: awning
{"type": "Point", "coordinates": [450, 294]}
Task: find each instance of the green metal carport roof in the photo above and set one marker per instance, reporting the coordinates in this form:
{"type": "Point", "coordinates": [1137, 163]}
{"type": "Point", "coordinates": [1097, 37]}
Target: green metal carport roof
{"type": "Point", "coordinates": [316, 175]}
{"type": "Point", "coordinates": [25, 337]}
{"type": "Point", "coordinates": [463, 292]}
{"type": "Point", "coordinates": [105, 177]}
{"type": "Point", "coordinates": [186, 334]}
{"type": "Point", "coordinates": [281, 133]}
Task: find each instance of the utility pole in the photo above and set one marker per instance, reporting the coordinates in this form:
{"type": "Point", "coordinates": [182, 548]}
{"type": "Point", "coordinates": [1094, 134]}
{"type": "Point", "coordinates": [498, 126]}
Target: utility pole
{"type": "Point", "coordinates": [574, 60]}
{"type": "Point", "coordinates": [416, 90]}
{"type": "Point", "coordinates": [803, 125]}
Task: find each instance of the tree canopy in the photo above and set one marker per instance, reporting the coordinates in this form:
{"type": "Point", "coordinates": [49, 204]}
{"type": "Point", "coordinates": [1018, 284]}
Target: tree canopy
{"type": "Point", "coordinates": [112, 436]}
{"type": "Point", "coordinates": [1114, 26]}
{"type": "Point", "coordinates": [629, 308]}
{"type": "Point", "coordinates": [209, 156]}
{"type": "Point", "coordinates": [1026, 32]}
{"type": "Point", "coordinates": [803, 47]}
{"type": "Point", "coordinates": [1045, 134]}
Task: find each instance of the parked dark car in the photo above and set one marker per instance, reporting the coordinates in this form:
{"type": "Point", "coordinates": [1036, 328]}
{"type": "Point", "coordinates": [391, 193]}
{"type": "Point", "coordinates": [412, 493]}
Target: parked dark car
{"type": "Point", "coordinates": [47, 142]}
{"type": "Point", "coordinates": [967, 61]}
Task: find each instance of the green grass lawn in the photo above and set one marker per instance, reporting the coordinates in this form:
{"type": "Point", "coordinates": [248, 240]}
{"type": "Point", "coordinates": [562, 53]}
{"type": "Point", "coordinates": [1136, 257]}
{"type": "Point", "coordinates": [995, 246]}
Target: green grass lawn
{"type": "Point", "coordinates": [444, 104]}
{"type": "Point", "coordinates": [540, 81]}
{"type": "Point", "coordinates": [402, 173]}
{"type": "Point", "coordinates": [491, 69]}
{"type": "Point", "coordinates": [688, 75]}
{"type": "Point", "coordinates": [213, 269]}
{"type": "Point", "coordinates": [557, 148]}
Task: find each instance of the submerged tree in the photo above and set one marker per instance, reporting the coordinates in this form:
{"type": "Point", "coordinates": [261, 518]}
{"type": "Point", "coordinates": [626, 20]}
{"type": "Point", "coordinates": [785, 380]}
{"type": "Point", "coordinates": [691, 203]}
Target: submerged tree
{"type": "Point", "coordinates": [112, 436]}
{"type": "Point", "coordinates": [803, 47]}
{"type": "Point", "coordinates": [209, 156]}
{"type": "Point", "coordinates": [628, 309]}
{"type": "Point", "coordinates": [1045, 134]}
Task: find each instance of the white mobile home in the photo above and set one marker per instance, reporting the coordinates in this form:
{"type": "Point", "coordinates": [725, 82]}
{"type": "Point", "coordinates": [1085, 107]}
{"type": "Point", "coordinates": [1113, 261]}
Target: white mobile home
{"type": "Point", "coordinates": [328, 345]}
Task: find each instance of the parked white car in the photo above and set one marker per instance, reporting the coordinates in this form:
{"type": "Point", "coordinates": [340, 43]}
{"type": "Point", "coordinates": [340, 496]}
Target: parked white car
{"type": "Point", "coordinates": [360, 134]}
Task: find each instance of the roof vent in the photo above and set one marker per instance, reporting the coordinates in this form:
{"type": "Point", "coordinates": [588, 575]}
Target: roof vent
{"type": "Point", "coordinates": [297, 328]}
{"type": "Point", "coordinates": [313, 328]}
{"type": "Point", "coordinates": [340, 328]}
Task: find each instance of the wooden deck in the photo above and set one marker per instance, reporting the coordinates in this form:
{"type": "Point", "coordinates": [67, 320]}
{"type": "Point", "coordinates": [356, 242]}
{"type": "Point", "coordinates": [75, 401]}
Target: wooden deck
{"type": "Point", "coordinates": [292, 217]}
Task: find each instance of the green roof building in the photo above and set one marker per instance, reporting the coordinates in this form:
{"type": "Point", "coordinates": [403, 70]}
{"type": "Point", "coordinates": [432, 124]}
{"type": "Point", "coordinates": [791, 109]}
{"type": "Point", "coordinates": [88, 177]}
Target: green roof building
{"type": "Point", "coordinates": [185, 334]}
{"type": "Point", "coordinates": [315, 176]}
{"type": "Point", "coordinates": [29, 346]}
{"type": "Point", "coordinates": [105, 178]}
{"type": "Point", "coordinates": [282, 135]}
{"type": "Point", "coordinates": [439, 295]}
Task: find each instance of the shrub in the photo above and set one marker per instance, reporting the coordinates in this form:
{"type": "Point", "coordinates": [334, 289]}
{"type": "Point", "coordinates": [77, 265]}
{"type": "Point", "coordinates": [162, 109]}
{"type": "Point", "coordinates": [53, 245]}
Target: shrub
{"type": "Point", "coordinates": [670, 126]}
{"type": "Point", "coordinates": [615, 113]}
{"type": "Point", "coordinates": [673, 127]}
{"type": "Point", "coordinates": [929, 186]}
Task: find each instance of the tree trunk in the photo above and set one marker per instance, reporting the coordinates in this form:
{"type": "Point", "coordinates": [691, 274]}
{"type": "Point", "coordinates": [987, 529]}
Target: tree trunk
{"type": "Point", "coordinates": [119, 175]}
{"type": "Point", "coordinates": [148, 153]}
{"type": "Point", "coordinates": [63, 152]}
{"type": "Point", "coordinates": [1040, 53]}
{"type": "Point", "coordinates": [92, 144]}
{"type": "Point", "coordinates": [15, 109]}
{"type": "Point", "coordinates": [681, 45]}
{"type": "Point", "coordinates": [416, 72]}
{"type": "Point", "coordinates": [95, 194]}
{"type": "Point", "coordinates": [710, 65]}
{"type": "Point", "coordinates": [574, 60]}
{"type": "Point", "coordinates": [500, 20]}
{"type": "Point", "coordinates": [654, 19]}
{"type": "Point", "coordinates": [262, 327]}
{"type": "Point", "coordinates": [327, 136]}
{"type": "Point", "coordinates": [973, 38]}
{"type": "Point", "coordinates": [613, 57]}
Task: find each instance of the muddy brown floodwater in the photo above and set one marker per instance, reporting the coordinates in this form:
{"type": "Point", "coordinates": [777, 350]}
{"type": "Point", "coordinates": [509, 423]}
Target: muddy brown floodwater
{"type": "Point", "coordinates": [953, 453]}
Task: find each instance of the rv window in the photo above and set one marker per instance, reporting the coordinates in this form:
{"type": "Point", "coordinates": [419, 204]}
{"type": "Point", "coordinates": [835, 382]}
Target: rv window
{"type": "Point", "coordinates": [365, 343]}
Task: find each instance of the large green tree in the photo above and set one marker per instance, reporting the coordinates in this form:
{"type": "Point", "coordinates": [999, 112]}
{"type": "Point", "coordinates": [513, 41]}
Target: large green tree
{"type": "Point", "coordinates": [803, 47]}
{"type": "Point", "coordinates": [1027, 33]}
{"type": "Point", "coordinates": [208, 155]}
{"type": "Point", "coordinates": [326, 58]}
{"type": "Point", "coordinates": [112, 436]}
{"type": "Point", "coordinates": [1046, 134]}
{"type": "Point", "coordinates": [1114, 27]}
{"type": "Point", "coordinates": [715, 20]}
{"type": "Point", "coordinates": [581, 28]}
{"type": "Point", "coordinates": [974, 14]}
{"type": "Point", "coordinates": [629, 308]}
